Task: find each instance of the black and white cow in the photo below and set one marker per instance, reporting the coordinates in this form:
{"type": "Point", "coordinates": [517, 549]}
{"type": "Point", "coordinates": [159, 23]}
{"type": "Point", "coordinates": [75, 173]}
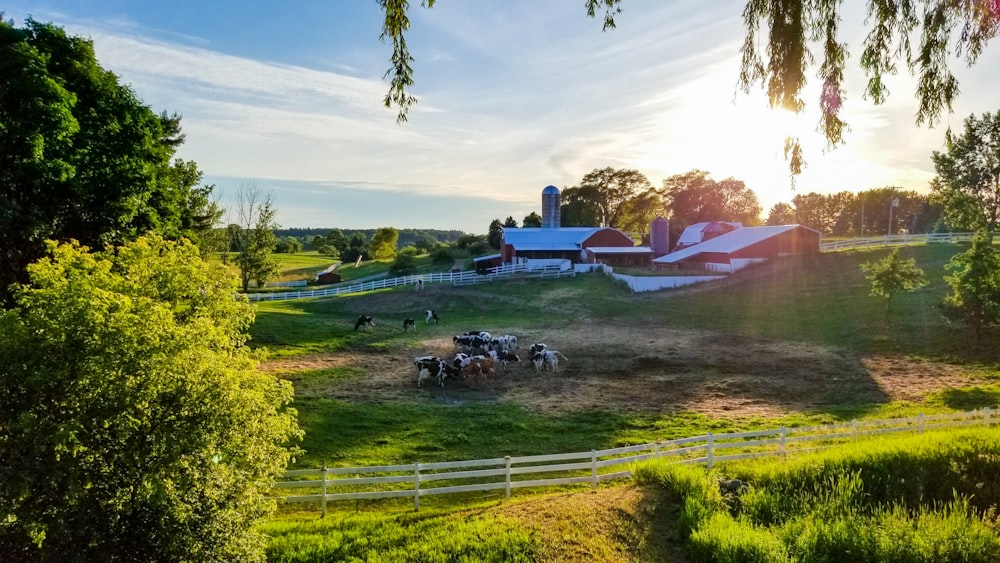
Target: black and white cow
{"type": "Point", "coordinates": [536, 348]}
{"type": "Point", "coordinates": [364, 321]}
{"type": "Point", "coordinates": [408, 325]}
{"type": "Point", "coordinates": [507, 343]}
{"type": "Point", "coordinates": [504, 357]}
{"type": "Point", "coordinates": [432, 316]}
{"type": "Point", "coordinates": [547, 358]}
{"type": "Point", "coordinates": [431, 366]}
{"type": "Point", "coordinates": [470, 342]}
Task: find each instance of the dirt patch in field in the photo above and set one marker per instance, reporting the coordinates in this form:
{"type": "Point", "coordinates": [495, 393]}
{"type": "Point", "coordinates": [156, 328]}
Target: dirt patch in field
{"type": "Point", "coordinates": [647, 370]}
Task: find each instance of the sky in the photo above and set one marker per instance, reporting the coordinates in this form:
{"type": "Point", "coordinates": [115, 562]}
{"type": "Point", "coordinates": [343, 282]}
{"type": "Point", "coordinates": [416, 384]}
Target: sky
{"type": "Point", "coordinates": [514, 95]}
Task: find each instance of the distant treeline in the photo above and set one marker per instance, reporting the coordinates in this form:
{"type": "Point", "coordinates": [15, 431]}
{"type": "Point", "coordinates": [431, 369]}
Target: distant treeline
{"type": "Point", "coordinates": [406, 236]}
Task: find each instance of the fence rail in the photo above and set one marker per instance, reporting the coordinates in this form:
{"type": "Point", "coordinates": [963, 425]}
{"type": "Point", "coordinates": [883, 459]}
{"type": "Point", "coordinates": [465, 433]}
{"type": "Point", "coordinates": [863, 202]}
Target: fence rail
{"type": "Point", "coordinates": [454, 278]}
{"type": "Point", "coordinates": [895, 240]}
{"type": "Point", "coordinates": [422, 479]}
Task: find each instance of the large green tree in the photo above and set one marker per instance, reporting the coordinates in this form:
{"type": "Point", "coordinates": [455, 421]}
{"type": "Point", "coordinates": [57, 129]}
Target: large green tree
{"type": "Point", "coordinates": [968, 175]}
{"type": "Point", "coordinates": [612, 189]}
{"type": "Point", "coordinates": [383, 243]}
{"type": "Point", "coordinates": [694, 197]}
{"type": "Point", "coordinates": [781, 43]}
{"type": "Point", "coordinates": [975, 286]}
{"type": "Point", "coordinates": [81, 157]}
{"type": "Point", "coordinates": [134, 422]}
{"type": "Point", "coordinates": [494, 235]}
{"type": "Point", "coordinates": [580, 207]}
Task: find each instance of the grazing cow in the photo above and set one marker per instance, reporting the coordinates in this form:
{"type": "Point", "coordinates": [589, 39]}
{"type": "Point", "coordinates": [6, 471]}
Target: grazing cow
{"type": "Point", "coordinates": [408, 325]}
{"type": "Point", "coordinates": [505, 357]}
{"type": "Point", "coordinates": [365, 321]}
{"type": "Point", "coordinates": [481, 366]}
{"type": "Point", "coordinates": [461, 360]}
{"type": "Point", "coordinates": [432, 316]}
{"type": "Point", "coordinates": [536, 348]}
{"type": "Point", "coordinates": [547, 358]}
{"type": "Point", "coordinates": [418, 359]}
{"type": "Point", "coordinates": [437, 368]}
{"type": "Point", "coordinates": [479, 333]}
{"type": "Point", "coordinates": [470, 342]}
{"type": "Point", "coordinates": [507, 343]}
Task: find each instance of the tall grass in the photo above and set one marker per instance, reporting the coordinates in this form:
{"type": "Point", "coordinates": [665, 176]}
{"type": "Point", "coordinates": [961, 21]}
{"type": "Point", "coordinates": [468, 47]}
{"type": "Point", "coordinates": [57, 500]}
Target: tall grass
{"type": "Point", "coordinates": [926, 498]}
{"type": "Point", "coordinates": [400, 538]}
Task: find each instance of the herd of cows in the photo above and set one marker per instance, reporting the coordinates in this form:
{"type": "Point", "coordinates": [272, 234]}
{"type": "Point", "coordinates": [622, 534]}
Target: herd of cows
{"type": "Point", "coordinates": [477, 354]}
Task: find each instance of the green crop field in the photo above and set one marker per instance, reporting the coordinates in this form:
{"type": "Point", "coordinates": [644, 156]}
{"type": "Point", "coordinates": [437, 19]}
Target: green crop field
{"type": "Point", "coordinates": [795, 342]}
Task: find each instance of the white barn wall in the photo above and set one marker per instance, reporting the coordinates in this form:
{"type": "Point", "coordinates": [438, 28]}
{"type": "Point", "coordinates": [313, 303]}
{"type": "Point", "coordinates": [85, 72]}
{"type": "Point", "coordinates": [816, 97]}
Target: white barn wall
{"type": "Point", "coordinates": [649, 283]}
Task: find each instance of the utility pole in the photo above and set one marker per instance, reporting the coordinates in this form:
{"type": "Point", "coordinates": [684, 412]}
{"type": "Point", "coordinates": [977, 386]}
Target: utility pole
{"type": "Point", "coordinates": [894, 202]}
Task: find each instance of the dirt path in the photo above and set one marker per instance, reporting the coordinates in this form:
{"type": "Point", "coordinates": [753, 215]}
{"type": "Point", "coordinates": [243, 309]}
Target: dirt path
{"type": "Point", "coordinates": [644, 370]}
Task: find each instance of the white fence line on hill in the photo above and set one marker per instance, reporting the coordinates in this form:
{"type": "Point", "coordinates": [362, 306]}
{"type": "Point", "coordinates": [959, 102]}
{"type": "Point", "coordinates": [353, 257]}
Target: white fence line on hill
{"type": "Point", "coordinates": [895, 240]}
{"type": "Point", "coordinates": [455, 278]}
{"type": "Point", "coordinates": [506, 473]}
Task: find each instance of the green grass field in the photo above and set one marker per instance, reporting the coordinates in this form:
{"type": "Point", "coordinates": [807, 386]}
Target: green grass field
{"type": "Point", "coordinates": [818, 303]}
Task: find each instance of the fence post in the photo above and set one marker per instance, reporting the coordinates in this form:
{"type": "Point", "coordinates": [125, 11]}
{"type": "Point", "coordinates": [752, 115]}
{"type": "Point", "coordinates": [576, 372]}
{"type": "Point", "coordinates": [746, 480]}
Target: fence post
{"type": "Point", "coordinates": [593, 467]}
{"type": "Point", "coordinates": [781, 442]}
{"type": "Point", "coordinates": [709, 454]}
{"type": "Point", "coordinates": [416, 486]}
{"type": "Point", "coordinates": [506, 458]}
{"type": "Point", "coordinates": [854, 429]}
{"type": "Point", "coordinates": [920, 423]}
{"type": "Point", "coordinates": [656, 449]}
{"type": "Point", "coordinates": [322, 501]}
{"type": "Point", "coordinates": [987, 416]}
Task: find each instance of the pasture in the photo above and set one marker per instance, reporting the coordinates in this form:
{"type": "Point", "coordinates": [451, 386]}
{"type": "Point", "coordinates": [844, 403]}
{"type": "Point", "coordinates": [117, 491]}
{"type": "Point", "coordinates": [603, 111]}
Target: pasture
{"type": "Point", "coordinates": [794, 342]}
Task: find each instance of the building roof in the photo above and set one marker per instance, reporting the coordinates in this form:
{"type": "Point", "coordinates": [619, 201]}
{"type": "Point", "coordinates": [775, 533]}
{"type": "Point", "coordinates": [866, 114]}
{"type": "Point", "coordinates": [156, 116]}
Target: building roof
{"type": "Point", "coordinates": [551, 238]}
{"type": "Point", "coordinates": [487, 257]}
{"type": "Point", "coordinates": [692, 234]}
{"type": "Point", "coordinates": [729, 242]}
{"type": "Point", "coordinates": [620, 249]}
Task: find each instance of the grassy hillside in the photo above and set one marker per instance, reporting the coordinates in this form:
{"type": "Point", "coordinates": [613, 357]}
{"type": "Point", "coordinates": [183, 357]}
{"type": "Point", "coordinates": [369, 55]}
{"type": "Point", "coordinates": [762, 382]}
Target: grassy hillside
{"type": "Point", "coordinates": [762, 349]}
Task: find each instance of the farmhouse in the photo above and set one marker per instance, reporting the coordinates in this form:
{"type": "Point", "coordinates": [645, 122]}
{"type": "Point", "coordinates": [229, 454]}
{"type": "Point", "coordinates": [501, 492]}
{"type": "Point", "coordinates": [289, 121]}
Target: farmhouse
{"type": "Point", "coordinates": [741, 247]}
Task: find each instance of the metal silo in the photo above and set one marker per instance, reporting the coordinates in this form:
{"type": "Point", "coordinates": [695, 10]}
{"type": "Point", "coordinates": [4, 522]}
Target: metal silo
{"type": "Point", "coordinates": [659, 237]}
{"type": "Point", "coordinates": [550, 207]}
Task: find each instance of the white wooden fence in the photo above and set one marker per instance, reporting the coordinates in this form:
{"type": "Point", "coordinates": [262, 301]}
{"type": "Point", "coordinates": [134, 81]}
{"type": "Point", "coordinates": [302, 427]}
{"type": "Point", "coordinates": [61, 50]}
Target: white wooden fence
{"type": "Point", "coordinates": [895, 240]}
{"type": "Point", "coordinates": [507, 473]}
{"type": "Point", "coordinates": [455, 278]}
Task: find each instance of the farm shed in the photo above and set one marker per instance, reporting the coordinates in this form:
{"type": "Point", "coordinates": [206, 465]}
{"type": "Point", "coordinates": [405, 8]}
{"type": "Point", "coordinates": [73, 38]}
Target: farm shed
{"type": "Point", "coordinates": [559, 242]}
{"type": "Point", "coordinates": [734, 250]}
{"type": "Point", "coordinates": [484, 263]}
{"type": "Point", "coordinates": [704, 231]}
{"type": "Point", "coordinates": [622, 256]}
{"type": "Point", "coordinates": [328, 277]}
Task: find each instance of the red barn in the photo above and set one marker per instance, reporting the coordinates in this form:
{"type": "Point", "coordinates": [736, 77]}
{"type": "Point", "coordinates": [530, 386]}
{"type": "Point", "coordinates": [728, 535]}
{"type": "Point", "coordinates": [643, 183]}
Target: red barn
{"type": "Point", "coordinates": [733, 250]}
{"type": "Point", "coordinates": [559, 242]}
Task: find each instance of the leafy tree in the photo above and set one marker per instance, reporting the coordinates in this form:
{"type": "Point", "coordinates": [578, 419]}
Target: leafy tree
{"type": "Point", "coordinates": [891, 275]}
{"type": "Point", "coordinates": [442, 256]}
{"type": "Point", "coordinates": [134, 423]}
{"type": "Point", "coordinates": [356, 247]}
{"type": "Point", "coordinates": [781, 214]}
{"type": "Point", "coordinates": [510, 222]}
{"type": "Point", "coordinates": [580, 207]}
{"type": "Point", "coordinates": [403, 265]}
{"type": "Point", "coordinates": [338, 240]}
{"type": "Point", "coordinates": [532, 219]}
{"type": "Point", "coordinates": [81, 157]}
{"type": "Point", "coordinates": [612, 189]}
{"type": "Point", "coordinates": [288, 245]}
{"type": "Point", "coordinates": [495, 235]}
{"type": "Point", "coordinates": [968, 175]}
{"type": "Point", "coordinates": [424, 244]}
{"type": "Point", "coordinates": [639, 211]}
{"type": "Point", "coordinates": [383, 243]}
{"type": "Point", "coordinates": [975, 285]}
{"type": "Point", "coordinates": [466, 242]}
{"type": "Point", "coordinates": [254, 239]}
{"type": "Point", "coordinates": [317, 242]}
{"type": "Point", "coordinates": [781, 36]}
{"type": "Point", "coordinates": [694, 197]}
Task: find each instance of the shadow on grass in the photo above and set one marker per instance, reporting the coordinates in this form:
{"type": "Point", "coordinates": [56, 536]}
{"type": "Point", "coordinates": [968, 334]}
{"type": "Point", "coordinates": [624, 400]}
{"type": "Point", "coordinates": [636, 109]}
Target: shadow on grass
{"type": "Point", "coordinates": [969, 398]}
{"type": "Point", "coordinates": [660, 512]}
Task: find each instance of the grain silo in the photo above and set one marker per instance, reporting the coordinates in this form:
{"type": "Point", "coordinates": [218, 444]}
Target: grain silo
{"type": "Point", "coordinates": [659, 237]}
{"type": "Point", "coordinates": [550, 207]}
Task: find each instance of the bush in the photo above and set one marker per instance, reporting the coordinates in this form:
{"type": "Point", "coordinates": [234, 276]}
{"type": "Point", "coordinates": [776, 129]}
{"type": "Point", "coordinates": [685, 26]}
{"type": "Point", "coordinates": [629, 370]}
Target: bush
{"type": "Point", "coordinates": [134, 423]}
{"type": "Point", "coordinates": [442, 256]}
{"type": "Point", "coordinates": [403, 265]}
